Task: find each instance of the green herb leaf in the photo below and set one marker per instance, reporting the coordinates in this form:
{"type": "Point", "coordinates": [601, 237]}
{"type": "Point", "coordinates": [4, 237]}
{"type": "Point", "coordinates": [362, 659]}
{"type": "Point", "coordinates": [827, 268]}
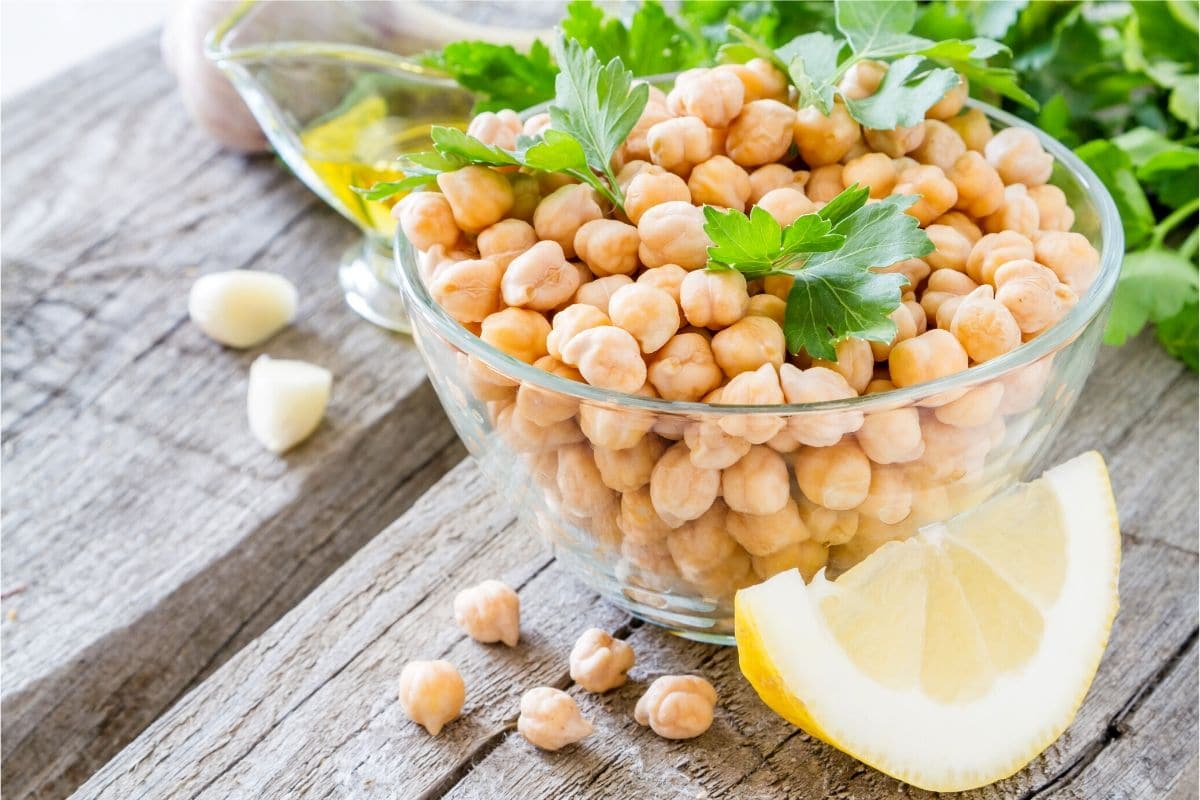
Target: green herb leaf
{"type": "Point", "coordinates": [387, 189]}
{"type": "Point", "coordinates": [846, 203]}
{"type": "Point", "coordinates": [598, 105]}
{"type": "Point", "coordinates": [499, 76]}
{"type": "Point", "coordinates": [451, 143]}
{"type": "Point", "coordinates": [909, 89]}
{"type": "Point", "coordinates": [652, 44]}
{"type": "Point", "coordinates": [1154, 286]}
{"type": "Point", "coordinates": [880, 28]}
{"type": "Point", "coordinates": [813, 67]}
{"type": "Point", "coordinates": [1115, 169]}
{"type": "Point", "coordinates": [1180, 335]}
{"type": "Point", "coordinates": [826, 306]}
{"type": "Point", "coordinates": [758, 246]}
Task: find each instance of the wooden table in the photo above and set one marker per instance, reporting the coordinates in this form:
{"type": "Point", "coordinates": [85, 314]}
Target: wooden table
{"type": "Point", "coordinates": [186, 615]}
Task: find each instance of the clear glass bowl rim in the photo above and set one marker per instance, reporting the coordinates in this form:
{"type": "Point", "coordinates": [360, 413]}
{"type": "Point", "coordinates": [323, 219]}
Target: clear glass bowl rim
{"type": "Point", "coordinates": [421, 305]}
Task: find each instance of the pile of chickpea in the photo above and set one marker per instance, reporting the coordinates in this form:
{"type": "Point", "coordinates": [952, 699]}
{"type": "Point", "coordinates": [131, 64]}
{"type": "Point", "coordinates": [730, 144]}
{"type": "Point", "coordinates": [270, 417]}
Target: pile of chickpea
{"type": "Point", "coordinates": [432, 693]}
{"type": "Point", "coordinates": [539, 267]}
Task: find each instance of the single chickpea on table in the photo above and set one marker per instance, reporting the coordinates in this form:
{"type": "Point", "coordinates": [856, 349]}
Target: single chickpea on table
{"type": "Point", "coordinates": [618, 296]}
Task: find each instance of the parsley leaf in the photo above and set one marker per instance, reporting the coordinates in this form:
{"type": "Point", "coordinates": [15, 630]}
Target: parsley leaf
{"type": "Point", "coordinates": [908, 90]}
{"type": "Point", "coordinates": [598, 105]}
{"type": "Point", "coordinates": [499, 76]}
{"type": "Point", "coordinates": [1180, 335]}
{"type": "Point", "coordinates": [830, 255]}
{"type": "Point", "coordinates": [1154, 286]}
{"type": "Point", "coordinates": [651, 44]}
{"type": "Point", "coordinates": [1115, 169]}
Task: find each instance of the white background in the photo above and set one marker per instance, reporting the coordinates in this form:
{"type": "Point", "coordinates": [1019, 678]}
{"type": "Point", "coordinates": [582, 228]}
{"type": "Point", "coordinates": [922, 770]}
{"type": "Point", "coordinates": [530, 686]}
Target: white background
{"type": "Point", "coordinates": [40, 38]}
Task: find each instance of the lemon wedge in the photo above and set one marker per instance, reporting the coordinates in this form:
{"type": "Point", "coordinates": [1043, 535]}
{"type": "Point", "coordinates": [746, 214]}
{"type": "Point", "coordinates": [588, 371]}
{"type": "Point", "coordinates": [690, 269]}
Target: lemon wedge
{"type": "Point", "coordinates": [952, 659]}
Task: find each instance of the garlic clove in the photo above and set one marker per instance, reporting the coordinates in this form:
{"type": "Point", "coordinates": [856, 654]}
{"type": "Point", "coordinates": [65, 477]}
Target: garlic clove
{"type": "Point", "coordinates": [286, 401]}
{"type": "Point", "coordinates": [242, 307]}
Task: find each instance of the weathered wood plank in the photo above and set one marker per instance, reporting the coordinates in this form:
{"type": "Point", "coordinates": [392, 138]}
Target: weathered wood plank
{"type": "Point", "coordinates": [153, 535]}
{"type": "Point", "coordinates": [308, 709]}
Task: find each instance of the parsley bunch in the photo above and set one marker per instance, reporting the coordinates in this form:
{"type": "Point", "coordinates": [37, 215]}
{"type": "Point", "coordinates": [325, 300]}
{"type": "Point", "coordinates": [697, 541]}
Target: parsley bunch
{"type": "Point", "coordinates": [829, 255]}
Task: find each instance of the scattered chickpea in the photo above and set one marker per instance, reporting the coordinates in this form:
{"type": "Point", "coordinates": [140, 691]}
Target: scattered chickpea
{"type": "Point", "coordinates": [479, 196]}
{"type": "Point", "coordinates": [489, 612]}
{"type": "Point", "coordinates": [677, 706]}
{"type": "Point", "coordinates": [608, 247]}
{"type": "Point", "coordinates": [608, 357]}
{"type": "Point", "coordinates": [551, 719]}
{"type": "Point", "coordinates": [563, 212]}
{"type": "Point", "coordinates": [599, 662]}
{"type": "Point", "coordinates": [431, 693]}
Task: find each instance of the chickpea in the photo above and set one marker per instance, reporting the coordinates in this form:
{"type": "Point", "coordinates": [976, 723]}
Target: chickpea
{"type": "Point", "coordinates": [918, 315]}
{"type": "Point", "coordinates": [973, 126]}
{"type": "Point", "coordinates": [980, 190]}
{"type": "Point", "coordinates": [668, 278]}
{"type": "Point", "coordinates": [1024, 387]}
{"type": "Point", "coordinates": [995, 250]}
{"type": "Point", "coordinates": [961, 223]}
{"type": "Point", "coordinates": [640, 522]}
{"type": "Point", "coordinates": [679, 144]}
{"type": "Point", "coordinates": [685, 368]}
{"type": "Point", "coordinates": [527, 193]}
{"type": "Point", "coordinates": [650, 314]}
{"type": "Point", "coordinates": [1017, 155]}
{"type": "Point", "coordinates": [1071, 257]}
{"type": "Point", "coordinates": [914, 270]}
{"type": "Point", "coordinates": [933, 354]}
{"type": "Point", "coordinates": [941, 146]}
{"type": "Point", "coordinates": [636, 145]}
{"type": "Point", "coordinates": [498, 128]}
{"type": "Point", "coordinates": [715, 97]}
{"type": "Point", "coordinates": [506, 240]}
{"type": "Point", "coordinates": [896, 142]}
{"type": "Point", "coordinates": [615, 429]}
{"type": "Point", "coordinates": [714, 299]}
{"type": "Point", "coordinates": [431, 260]}
{"type": "Point", "coordinates": [653, 186]}
{"type": "Point", "coordinates": [598, 293]}
{"type": "Point", "coordinates": [484, 382]}
{"type": "Point", "coordinates": [767, 306]}
{"type": "Point", "coordinates": [760, 79]}
{"type": "Point", "coordinates": [757, 388]}
{"type": "Point", "coordinates": [825, 183]}
{"type": "Point", "coordinates": [944, 315]}
{"type": "Point", "coordinates": [1018, 212]}
{"type": "Point", "coordinates": [599, 662]}
{"type": "Point", "coordinates": [710, 447]}
{"type": "Point", "coordinates": [786, 205]}
{"type": "Point", "coordinates": [950, 453]}
{"type": "Point", "coordinates": [547, 407]}
{"type": "Point", "coordinates": [608, 247]}
{"type": "Point", "coordinates": [837, 477]}
{"type": "Point", "coordinates": [763, 534]}
{"type": "Point", "coordinates": [648, 565]}
{"type": "Point", "coordinates": [608, 357]}
{"type": "Point", "coordinates": [761, 134]}
{"type": "Point", "coordinates": [723, 581]}
{"type": "Point", "coordinates": [680, 490]}
{"type": "Point", "coordinates": [677, 706]}
{"type": "Point", "coordinates": [673, 233]}
{"type": "Point", "coordinates": [951, 282]}
{"type": "Point", "coordinates": [952, 101]}
{"type": "Point", "coordinates": [873, 170]}
{"type": "Point", "coordinates": [891, 437]}
{"type": "Point", "coordinates": [1053, 212]}
{"type": "Point", "coordinates": [825, 525]}
{"type": "Point", "coordinates": [551, 719]}
{"type": "Point", "coordinates": [629, 469]}
{"type": "Point", "coordinates": [489, 612]}
{"type": "Point", "coordinates": [527, 436]}
{"type": "Point", "coordinates": [427, 220]}
{"type": "Point", "coordinates": [815, 385]}
{"type": "Point", "coordinates": [937, 193]}
{"type": "Point", "coordinates": [748, 344]}
{"type": "Point", "coordinates": [570, 321]}
{"type": "Point", "coordinates": [757, 484]}
{"type": "Point", "coordinates": [950, 248]}
{"type": "Point", "coordinates": [906, 328]}
{"type": "Point", "coordinates": [976, 407]}
{"type": "Point", "coordinates": [823, 139]}
{"type": "Point", "coordinates": [719, 182]}
{"type": "Point", "coordinates": [767, 178]}
{"type": "Point", "coordinates": [479, 196]}
{"type": "Point", "coordinates": [807, 557]}
{"type": "Point", "coordinates": [863, 79]}
{"type": "Point", "coordinates": [984, 326]}
{"type": "Point", "coordinates": [702, 546]}
{"type": "Point", "coordinates": [890, 499]}
{"type": "Point", "coordinates": [468, 290]}
{"type": "Point", "coordinates": [536, 125]}
{"type": "Point", "coordinates": [563, 212]}
{"type": "Point", "coordinates": [540, 278]}
{"type": "Point", "coordinates": [1028, 290]}
{"type": "Point", "coordinates": [580, 486]}
{"type": "Point", "coordinates": [431, 693]}
{"type": "Point", "coordinates": [854, 361]}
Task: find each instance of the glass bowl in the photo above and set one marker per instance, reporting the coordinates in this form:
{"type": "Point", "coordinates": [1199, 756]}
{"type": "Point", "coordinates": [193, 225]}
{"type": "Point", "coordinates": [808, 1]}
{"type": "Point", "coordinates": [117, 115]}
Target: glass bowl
{"type": "Point", "coordinates": [556, 448]}
{"type": "Point", "coordinates": [338, 100]}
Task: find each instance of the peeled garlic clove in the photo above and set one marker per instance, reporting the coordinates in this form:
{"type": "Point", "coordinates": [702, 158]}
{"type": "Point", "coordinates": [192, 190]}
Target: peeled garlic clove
{"type": "Point", "coordinates": [286, 401]}
{"type": "Point", "coordinates": [242, 307]}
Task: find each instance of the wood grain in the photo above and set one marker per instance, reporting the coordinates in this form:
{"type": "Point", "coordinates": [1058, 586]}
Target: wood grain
{"type": "Point", "coordinates": [308, 710]}
{"type": "Point", "coordinates": [154, 537]}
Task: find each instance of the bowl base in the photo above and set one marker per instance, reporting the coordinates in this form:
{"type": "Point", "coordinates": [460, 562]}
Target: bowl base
{"type": "Point", "coordinates": [365, 275]}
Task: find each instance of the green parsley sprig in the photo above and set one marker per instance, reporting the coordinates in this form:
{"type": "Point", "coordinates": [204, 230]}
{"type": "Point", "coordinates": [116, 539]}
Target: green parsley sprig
{"type": "Point", "coordinates": [830, 254]}
{"type": "Point", "coordinates": [596, 106]}
{"type": "Point", "coordinates": [921, 70]}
